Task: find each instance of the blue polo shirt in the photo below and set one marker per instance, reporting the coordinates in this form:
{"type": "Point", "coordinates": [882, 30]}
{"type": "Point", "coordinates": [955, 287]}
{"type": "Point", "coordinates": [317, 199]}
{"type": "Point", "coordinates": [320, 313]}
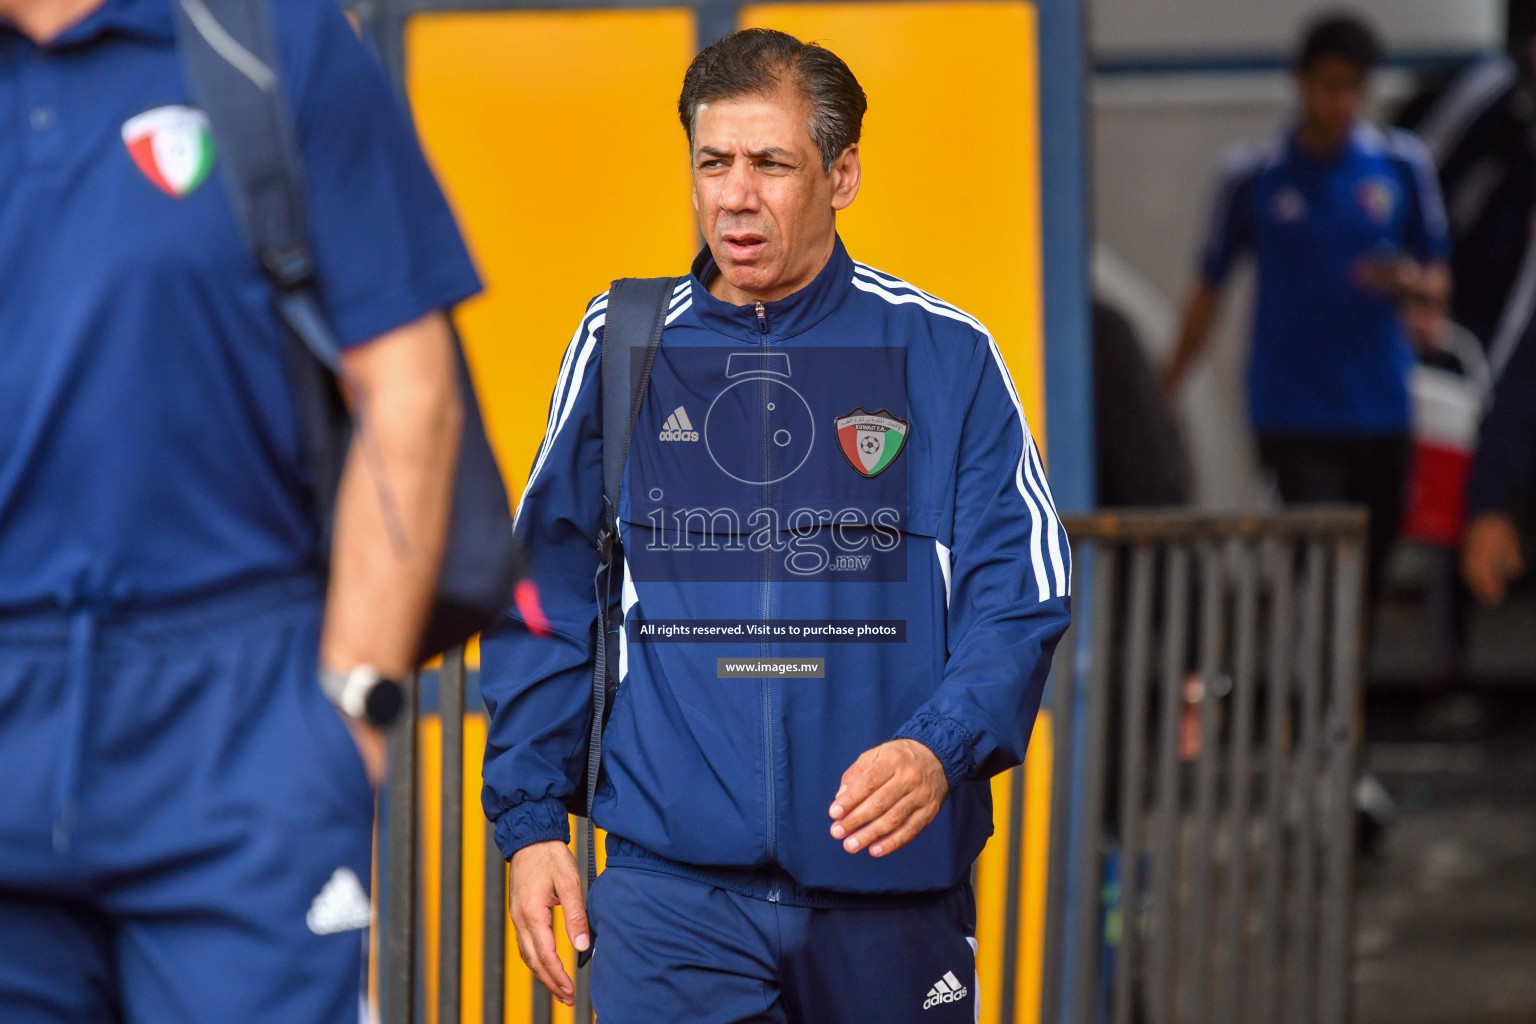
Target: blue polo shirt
{"type": "Point", "coordinates": [149, 446]}
{"type": "Point", "coordinates": [1329, 357]}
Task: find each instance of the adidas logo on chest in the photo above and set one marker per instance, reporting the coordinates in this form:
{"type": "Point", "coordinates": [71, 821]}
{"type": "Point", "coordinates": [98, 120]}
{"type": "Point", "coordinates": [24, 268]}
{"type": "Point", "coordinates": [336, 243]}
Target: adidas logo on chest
{"type": "Point", "coordinates": [678, 428]}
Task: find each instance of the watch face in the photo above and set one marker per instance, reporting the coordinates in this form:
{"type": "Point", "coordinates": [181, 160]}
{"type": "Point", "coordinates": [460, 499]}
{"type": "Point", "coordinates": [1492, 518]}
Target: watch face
{"type": "Point", "coordinates": [382, 705]}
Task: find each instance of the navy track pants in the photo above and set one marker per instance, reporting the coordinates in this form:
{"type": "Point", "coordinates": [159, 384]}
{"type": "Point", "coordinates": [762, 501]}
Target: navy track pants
{"type": "Point", "coordinates": [185, 824]}
{"type": "Point", "coordinates": [683, 951]}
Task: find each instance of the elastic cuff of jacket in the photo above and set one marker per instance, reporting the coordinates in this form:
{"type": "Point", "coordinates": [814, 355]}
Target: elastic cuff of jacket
{"type": "Point", "coordinates": [950, 742]}
{"type": "Point", "coordinates": [535, 821]}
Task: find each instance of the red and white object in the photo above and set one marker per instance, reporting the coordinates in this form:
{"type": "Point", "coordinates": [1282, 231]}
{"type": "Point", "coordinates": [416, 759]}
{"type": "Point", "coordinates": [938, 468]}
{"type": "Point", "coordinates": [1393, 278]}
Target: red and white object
{"type": "Point", "coordinates": [1447, 408]}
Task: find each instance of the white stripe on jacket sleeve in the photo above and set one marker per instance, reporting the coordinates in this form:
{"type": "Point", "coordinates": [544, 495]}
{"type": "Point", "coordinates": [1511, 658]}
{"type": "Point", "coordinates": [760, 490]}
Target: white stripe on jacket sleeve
{"type": "Point", "coordinates": [567, 388]}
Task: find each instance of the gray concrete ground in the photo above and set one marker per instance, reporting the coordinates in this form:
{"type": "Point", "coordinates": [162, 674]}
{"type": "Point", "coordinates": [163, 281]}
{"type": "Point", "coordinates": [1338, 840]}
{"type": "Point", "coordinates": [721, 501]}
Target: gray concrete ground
{"type": "Point", "coordinates": [1447, 907]}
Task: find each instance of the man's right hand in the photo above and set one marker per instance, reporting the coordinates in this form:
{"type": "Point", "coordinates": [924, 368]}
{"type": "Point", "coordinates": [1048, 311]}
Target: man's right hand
{"type": "Point", "coordinates": [1490, 557]}
{"type": "Point", "coordinates": [544, 876]}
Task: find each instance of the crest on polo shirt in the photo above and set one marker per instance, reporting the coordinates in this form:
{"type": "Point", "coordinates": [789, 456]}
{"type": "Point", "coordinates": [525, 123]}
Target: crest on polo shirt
{"type": "Point", "coordinates": [172, 147]}
{"type": "Point", "coordinates": [870, 441]}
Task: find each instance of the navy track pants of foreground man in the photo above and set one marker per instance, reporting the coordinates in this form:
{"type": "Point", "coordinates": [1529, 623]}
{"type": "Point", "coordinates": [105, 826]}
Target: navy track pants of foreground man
{"type": "Point", "coordinates": [185, 823]}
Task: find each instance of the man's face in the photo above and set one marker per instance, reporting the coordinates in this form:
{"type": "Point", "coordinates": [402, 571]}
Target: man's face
{"type": "Point", "coordinates": [1332, 96]}
{"type": "Point", "coordinates": [766, 208]}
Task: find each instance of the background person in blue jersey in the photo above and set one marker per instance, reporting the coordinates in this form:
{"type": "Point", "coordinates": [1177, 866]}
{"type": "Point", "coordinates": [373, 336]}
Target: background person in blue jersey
{"type": "Point", "coordinates": [186, 821]}
{"type": "Point", "coordinates": [1346, 226]}
{"type": "Point", "coordinates": [820, 445]}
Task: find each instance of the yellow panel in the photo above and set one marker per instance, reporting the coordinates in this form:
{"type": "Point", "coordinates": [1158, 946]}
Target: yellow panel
{"type": "Point", "coordinates": [429, 751]}
{"type": "Point", "coordinates": [951, 194]}
{"type": "Point", "coordinates": [991, 892]}
{"type": "Point", "coordinates": [992, 881]}
{"type": "Point", "coordinates": [556, 137]}
{"type": "Point", "coordinates": [1037, 850]}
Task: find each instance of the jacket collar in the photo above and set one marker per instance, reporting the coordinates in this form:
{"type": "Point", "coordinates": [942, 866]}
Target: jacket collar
{"type": "Point", "coordinates": [794, 314]}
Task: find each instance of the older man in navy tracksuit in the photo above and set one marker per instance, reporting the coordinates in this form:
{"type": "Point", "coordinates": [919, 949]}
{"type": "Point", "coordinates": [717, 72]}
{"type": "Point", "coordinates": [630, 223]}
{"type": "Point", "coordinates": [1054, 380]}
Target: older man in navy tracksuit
{"type": "Point", "coordinates": [843, 581]}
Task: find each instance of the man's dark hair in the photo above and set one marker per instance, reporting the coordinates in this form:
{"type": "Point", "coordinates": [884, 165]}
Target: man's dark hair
{"type": "Point", "coordinates": [759, 62]}
{"type": "Point", "coordinates": [1339, 35]}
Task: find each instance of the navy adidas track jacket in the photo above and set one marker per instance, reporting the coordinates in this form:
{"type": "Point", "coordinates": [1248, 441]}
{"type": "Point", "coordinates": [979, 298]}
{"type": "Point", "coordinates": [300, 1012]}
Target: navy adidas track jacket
{"type": "Point", "coordinates": [840, 482]}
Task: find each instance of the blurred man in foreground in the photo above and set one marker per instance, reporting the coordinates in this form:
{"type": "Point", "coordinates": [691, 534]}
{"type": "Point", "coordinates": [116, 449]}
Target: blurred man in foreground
{"type": "Point", "coordinates": [1499, 491]}
{"type": "Point", "coordinates": [1345, 224]}
{"type": "Point", "coordinates": [186, 821]}
{"type": "Point", "coordinates": [1481, 129]}
{"type": "Point", "coordinates": [835, 517]}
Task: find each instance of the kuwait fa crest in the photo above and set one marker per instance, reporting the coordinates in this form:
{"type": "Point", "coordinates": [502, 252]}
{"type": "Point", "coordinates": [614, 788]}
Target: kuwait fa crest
{"type": "Point", "coordinates": [871, 440]}
{"type": "Point", "coordinates": [172, 146]}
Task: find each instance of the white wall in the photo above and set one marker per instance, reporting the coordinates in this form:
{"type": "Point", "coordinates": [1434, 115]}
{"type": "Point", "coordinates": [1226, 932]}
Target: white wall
{"type": "Point", "coordinates": [1142, 27]}
{"type": "Point", "coordinates": [1158, 139]}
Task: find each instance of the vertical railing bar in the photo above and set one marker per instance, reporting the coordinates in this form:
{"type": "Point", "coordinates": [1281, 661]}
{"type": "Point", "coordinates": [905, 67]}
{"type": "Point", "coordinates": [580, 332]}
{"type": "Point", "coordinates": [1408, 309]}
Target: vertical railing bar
{"type": "Point", "coordinates": [1012, 895]}
{"type": "Point", "coordinates": [1302, 988]}
{"type": "Point", "coordinates": [543, 1004]}
{"type": "Point", "coordinates": [1266, 992]}
{"type": "Point", "coordinates": [1165, 867]}
{"type": "Point", "coordinates": [1212, 642]}
{"type": "Point", "coordinates": [1137, 666]}
{"type": "Point", "coordinates": [1336, 953]}
{"type": "Point", "coordinates": [583, 1002]}
{"type": "Point", "coordinates": [450, 936]}
{"type": "Point", "coordinates": [1232, 941]}
{"type": "Point", "coordinates": [400, 913]}
{"type": "Point", "coordinates": [493, 998]}
{"type": "Point", "coordinates": [1062, 695]}
{"type": "Point", "coordinates": [1087, 928]}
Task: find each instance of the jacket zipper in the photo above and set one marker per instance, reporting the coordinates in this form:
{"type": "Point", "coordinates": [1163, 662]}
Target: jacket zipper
{"type": "Point", "coordinates": [772, 800]}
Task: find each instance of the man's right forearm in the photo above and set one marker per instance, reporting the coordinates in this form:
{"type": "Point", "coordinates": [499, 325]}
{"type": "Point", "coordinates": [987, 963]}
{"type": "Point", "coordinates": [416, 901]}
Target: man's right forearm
{"type": "Point", "coordinates": [1199, 314]}
{"type": "Point", "coordinates": [538, 691]}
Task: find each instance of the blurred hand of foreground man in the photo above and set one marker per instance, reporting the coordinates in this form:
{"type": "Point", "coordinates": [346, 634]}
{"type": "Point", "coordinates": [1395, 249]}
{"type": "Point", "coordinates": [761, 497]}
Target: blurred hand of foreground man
{"type": "Point", "coordinates": [544, 876]}
{"type": "Point", "coordinates": [888, 796]}
{"type": "Point", "coordinates": [1490, 556]}
{"type": "Point", "coordinates": [371, 747]}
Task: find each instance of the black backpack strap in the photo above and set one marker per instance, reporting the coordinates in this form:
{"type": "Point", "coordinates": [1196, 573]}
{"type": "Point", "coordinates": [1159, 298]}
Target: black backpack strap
{"type": "Point", "coordinates": [230, 60]}
{"type": "Point", "coordinates": [636, 317]}
{"type": "Point", "coordinates": [229, 56]}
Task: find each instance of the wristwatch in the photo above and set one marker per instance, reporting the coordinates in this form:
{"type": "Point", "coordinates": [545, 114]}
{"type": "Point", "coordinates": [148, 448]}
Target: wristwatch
{"type": "Point", "coordinates": [365, 694]}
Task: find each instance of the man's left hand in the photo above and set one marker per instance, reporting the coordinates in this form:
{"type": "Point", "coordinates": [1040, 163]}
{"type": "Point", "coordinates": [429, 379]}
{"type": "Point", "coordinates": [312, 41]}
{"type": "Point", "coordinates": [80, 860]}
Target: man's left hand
{"type": "Point", "coordinates": [889, 795]}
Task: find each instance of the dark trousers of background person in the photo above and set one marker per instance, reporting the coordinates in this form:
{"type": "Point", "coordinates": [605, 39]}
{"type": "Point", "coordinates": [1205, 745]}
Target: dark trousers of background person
{"type": "Point", "coordinates": [1370, 470]}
